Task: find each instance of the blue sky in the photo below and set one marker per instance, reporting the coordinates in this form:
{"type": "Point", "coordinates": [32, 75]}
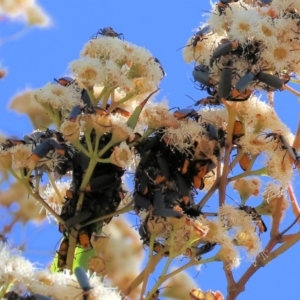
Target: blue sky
{"type": "Point", "coordinates": [40, 55]}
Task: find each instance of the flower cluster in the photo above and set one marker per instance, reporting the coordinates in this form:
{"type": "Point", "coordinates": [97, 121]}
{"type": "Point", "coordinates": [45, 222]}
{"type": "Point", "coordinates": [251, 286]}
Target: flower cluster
{"type": "Point", "coordinates": [18, 275]}
{"type": "Point", "coordinates": [31, 11]}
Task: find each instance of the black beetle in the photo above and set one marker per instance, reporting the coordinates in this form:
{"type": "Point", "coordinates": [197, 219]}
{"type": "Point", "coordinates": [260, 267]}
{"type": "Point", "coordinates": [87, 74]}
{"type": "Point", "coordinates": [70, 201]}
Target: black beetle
{"type": "Point", "coordinates": [108, 31]}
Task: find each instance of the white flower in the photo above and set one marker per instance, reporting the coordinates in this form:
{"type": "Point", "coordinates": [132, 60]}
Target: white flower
{"type": "Point", "coordinates": [50, 196]}
{"type": "Point", "coordinates": [121, 156]}
{"type": "Point", "coordinates": [89, 71]}
{"type": "Point", "coordinates": [57, 96]}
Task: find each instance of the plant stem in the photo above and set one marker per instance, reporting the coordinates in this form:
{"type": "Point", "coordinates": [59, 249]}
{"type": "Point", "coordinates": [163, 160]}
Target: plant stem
{"type": "Point", "coordinates": [139, 279]}
{"type": "Point", "coordinates": [80, 147]}
{"type": "Point", "coordinates": [121, 101]}
{"type": "Point", "coordinates": [276, 218]}
{"type": "Point", "coordinates": [90, 92]}
{"type": "Point", "coordinates": [74, 232]}
{"type": "Point", "coordinates": [239, 155]}
{"type": "Point", "coordinates": [105, 98]}
{"type": "Point", "coordinates": [261, 171]}
{"type": "Point", "coordinates": [280, 250]}
{"type": "Point", "coordinates": [207, 196]}
{"type": "Point", "coordinates": [125, 209]}
{"type": "Point", "coordinates": [51, 178]}
{"type": "Point", "coordinates": [101, 94]}
{"type": "Point", "coordinates": [89, 143]}
{"type": "Point", "coordinates": [231, 284]}
{"type": "Point", "coordinates": [36, 195]}
{"type": "Point", "coordinates": [294, 202]}
{"type": "Point", "coordinates": [148, 268]}
{"type": "Point", "coordinates": [228, 147]}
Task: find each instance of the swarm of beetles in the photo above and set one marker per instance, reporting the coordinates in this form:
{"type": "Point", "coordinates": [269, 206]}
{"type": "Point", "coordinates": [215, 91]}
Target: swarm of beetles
{"type": "Point", "coordinates": [173, 160]}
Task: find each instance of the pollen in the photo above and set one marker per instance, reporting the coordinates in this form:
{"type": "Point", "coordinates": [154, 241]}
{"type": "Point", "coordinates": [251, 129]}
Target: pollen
{"type": "Point", "coordinates": [266, 30]}
{"type": "Point", "coordinates": [280, 53]}
{"type": "Point", "coordinates": [244, 27]}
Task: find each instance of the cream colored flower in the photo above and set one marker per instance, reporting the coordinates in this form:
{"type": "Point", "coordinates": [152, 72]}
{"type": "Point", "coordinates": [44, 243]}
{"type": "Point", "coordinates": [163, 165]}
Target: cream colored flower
{"type": "Point", "coordinates": [89, 71]}
{"type": "Point", "coordinates": [86, 123]}
{"type": "Point", "coordinates": [270, 196]}
{"type": "Point", "coordinates": [96, 264]}
{"type": "Point", "coordinates": [178, 290]}
{"type": "Point", "coordinates": [247, 187]}
{"type": "Point", "coordinates": [54, 200]}
{"type": "Point", "coordinates": [70, 130]}
{"type": "Point", "coordinates": [158, 115]}
{"type": "Point", "coordinates": [280, 168]}
{"type": "Point", "coordinates": [235, 218]}
{"type": "Point", "coordinates": [229, 255]}
{"type": "Point", "coordinates": [102, 124]}
{"type": "Point", "coordinates": [24, 103]}
{"type": "Point", "coordinates": [242, 26]}
{"type": "Point", "coordinates": [249, 240]}
{"type": "Point", "coordinates": [20, 156]}
{"type": "Point", "coordinates": [14, 7]}
{"type": "Point", "coordinates": [29, 210]}
{"type": "Point", "coordinates": [105, 48]}
{"type": "Point", "coordinates": [143, 85]}
{"type": "Point", "coordinates": [121, 156]}
{"type": "Point", "coordinates": [36, 16]}
{"type": "Point", "coordinates": [5, 159]}
{"type": "Point", "coordinates": [121, 132]}
{"type": "Point", "coordinates": [115, 77]}
{"type": "Point", "coordinates": [197, 294]}
{"type": "Point", "coordinates": [57, 96]}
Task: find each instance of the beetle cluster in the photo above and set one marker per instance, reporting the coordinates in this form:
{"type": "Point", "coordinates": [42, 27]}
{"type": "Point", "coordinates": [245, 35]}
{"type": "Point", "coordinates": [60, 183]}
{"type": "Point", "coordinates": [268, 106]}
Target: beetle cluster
{"type": "Point", "coordinates": [50, 152]}
{"type": "Point", "coordinates": [167, 179]}
{"type": "Point", "coordinates": [231, 66]}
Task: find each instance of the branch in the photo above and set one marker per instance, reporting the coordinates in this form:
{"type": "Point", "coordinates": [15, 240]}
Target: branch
{"type": "Point", "coordinates": [125, 209]}
{"type": "Point", "coordinates": [207, 196]}
{"type": "Point", "coordinates": [276, 218]}
{"type": "Point", "coordinates": [294, 202]}
{"type": "Point", "coordinates": [231, 284]}
{"type": "Point", "coordinates": [280, 250]}
{"type": "Point", "coordinates": [289, 227]}
{"type": "Point", "coordinates": [139, 279]}
{"type": "Point", "coordinates": [228, 147]}
{"type": "Point", "coordinates": [148, 267]}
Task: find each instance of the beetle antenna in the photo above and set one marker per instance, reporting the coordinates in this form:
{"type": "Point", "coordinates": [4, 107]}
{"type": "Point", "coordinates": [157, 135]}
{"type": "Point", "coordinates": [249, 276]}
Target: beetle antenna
{"type": "Point", "coordinates": [210, 12]}
{"type": "Point", "coordinates": [184, 47]}
{"type": "Point", "coordinates": [233, 200]}
{"type": "Point", "coordinates": [190, 98]}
